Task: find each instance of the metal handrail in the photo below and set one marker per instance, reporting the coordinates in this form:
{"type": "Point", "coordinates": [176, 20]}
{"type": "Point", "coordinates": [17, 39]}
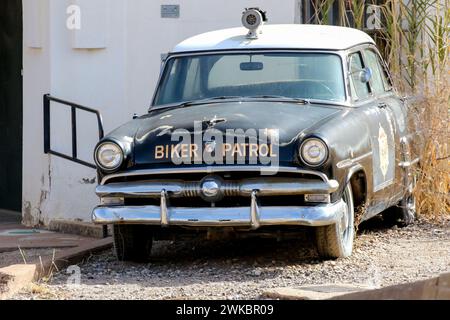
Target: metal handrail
{"type": "Point", "coordinates": [47, 127]}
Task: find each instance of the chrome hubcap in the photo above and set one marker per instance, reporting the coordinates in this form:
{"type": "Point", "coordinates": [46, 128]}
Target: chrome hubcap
{"type": "Point", "coordinates": [344, 222]}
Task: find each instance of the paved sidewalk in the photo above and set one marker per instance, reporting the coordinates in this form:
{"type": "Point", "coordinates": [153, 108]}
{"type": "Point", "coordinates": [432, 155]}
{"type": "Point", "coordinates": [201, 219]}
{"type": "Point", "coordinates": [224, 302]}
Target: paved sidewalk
{"type": "Point", "coordinates": [15, 236]}
{"type": "Point", "coordinates": [41, 252]}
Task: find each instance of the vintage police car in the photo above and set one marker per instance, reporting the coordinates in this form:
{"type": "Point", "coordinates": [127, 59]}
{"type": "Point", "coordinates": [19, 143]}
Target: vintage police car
{"type": "Point", "coordinates": [261, 129]}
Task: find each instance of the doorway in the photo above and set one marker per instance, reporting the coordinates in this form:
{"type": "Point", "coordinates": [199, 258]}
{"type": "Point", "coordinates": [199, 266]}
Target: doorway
{"type": "Point", "coordinates": [10, 107]}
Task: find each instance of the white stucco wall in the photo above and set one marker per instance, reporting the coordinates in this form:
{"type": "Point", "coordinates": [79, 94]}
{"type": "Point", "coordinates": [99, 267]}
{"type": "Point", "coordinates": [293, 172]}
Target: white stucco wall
{"type": "Point", "coordinates": [118, 77]}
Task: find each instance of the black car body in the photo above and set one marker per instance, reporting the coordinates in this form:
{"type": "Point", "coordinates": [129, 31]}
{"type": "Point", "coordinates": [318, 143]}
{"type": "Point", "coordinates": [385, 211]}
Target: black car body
{"type": "Point", "coordinates": [335, 127]}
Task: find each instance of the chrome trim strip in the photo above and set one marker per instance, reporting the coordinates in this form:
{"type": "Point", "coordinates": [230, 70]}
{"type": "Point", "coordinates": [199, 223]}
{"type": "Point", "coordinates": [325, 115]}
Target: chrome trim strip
{"type": "Point", "coordinates": [212, 169]}
{"type": "Point", "coordinates": [405, 164]}
{"type": "Point", "coordinates": [280, 186]}
{"type": "Point", "coordinates": [351, 161]}
{"type": "Point", "coordinates": [245, 187]}
{"type": "Point", "coordinates": [320, 215]}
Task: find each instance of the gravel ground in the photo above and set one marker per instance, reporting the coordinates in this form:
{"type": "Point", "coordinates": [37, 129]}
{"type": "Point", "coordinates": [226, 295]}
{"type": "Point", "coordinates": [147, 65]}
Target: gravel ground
{"type": "Point", "coordinates": [244, 269]}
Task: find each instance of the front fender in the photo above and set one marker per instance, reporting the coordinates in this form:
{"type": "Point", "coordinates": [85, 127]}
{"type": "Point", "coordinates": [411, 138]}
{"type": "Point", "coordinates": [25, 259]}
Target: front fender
{"type": "Point", "coordinates": [349, 140]}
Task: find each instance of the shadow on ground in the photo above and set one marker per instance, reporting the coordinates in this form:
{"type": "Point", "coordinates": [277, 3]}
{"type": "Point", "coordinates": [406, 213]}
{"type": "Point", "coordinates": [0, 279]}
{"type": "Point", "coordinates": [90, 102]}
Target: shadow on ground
{"type": "Point", "coordinates": [199, 261]}
{"type": "Point", "coordinates": [10, 217]}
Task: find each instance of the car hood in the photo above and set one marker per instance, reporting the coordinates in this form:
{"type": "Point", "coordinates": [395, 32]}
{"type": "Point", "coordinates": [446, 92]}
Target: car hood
{"type": "Point", "coordinates": [290, 120]}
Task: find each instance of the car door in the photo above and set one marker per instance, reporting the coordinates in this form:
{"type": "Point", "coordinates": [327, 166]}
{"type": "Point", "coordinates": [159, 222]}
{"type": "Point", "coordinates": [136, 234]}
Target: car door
{"type": "Point", "coordinates": [379, 120]}
{"type": "Point", "coordinates": [388, 131]}
{"type": "Point", "coordinates": [409, 139]}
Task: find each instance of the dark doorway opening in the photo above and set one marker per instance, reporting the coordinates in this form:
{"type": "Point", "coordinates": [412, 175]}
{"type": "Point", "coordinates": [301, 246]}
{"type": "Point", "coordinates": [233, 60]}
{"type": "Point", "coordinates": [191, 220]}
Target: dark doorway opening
{"type": "Point", "coordinates": [10, 106]}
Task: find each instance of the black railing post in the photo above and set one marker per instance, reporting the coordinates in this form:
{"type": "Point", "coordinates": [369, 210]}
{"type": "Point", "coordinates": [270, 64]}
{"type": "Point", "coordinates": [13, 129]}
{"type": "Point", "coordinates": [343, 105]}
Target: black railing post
{"type": "Point", "coordinates": [74, 132]}
{"type": "Point", "coordinates": [46, 124]}
{"type": "Point", "coordinates": [101, 133]}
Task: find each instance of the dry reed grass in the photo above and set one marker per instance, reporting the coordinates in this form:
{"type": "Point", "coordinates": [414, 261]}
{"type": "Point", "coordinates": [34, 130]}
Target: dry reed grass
{"type": "Point", "coordinates": [415, 44]}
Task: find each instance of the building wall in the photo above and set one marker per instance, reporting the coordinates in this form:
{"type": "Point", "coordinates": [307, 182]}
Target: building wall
{"type": "Point", "coordinates": [112, 64]}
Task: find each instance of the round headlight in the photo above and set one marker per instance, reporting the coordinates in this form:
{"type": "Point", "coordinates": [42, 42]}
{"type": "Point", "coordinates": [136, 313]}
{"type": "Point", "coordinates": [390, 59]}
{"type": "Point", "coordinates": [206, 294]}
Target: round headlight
{"type": "Point", "coordinates": [109, 156]}
{"type": "Point", "coordinates": [314, 152]}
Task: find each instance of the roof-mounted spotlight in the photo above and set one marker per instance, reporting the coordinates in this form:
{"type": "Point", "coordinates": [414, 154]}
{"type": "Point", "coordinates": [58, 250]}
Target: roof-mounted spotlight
{"type": "Point", "coordinates": [253, 19]}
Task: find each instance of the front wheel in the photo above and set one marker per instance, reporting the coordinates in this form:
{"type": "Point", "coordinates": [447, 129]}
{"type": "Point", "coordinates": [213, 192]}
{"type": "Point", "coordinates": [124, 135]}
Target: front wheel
{"type": "Point", "coordinates": [132, 242]}
{"type": "Point", "coordinates": [336, 241]}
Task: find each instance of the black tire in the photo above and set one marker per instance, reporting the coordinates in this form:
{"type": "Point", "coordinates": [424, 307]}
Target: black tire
{"type": "Point", "coordinates": [404, 213]}
{"type": "Point", "coordinates": [336, 241]}
{"type": "Point", "coordinates": [133, 242]}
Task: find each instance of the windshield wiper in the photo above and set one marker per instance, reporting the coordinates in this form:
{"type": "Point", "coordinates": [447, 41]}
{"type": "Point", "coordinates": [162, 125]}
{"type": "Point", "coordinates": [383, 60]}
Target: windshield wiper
{"type": "Point", "coordinates": [281, 98]}
{"type": "Point", "coordinates": [194, 102]}
{"type": "Point", "coordinates": [208, 100]}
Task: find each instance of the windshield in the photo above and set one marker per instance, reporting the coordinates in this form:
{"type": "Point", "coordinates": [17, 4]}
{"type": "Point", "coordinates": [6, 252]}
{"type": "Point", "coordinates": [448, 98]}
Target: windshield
{"type": "Point", "coordinates": [291, 75]}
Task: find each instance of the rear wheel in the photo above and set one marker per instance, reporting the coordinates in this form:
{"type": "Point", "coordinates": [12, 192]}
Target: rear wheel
{"type": "Point", "coordinates": [404, 213]}
{"type": "Point", "coordinates": [133, 242]}
{"type": "Point", "coordinates": [336, 241]}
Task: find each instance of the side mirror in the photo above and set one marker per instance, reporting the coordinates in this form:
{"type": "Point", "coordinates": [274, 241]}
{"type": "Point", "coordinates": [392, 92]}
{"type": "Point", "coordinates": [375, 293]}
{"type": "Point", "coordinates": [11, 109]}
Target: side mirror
{"type": "Point", "coordinates": [365, 75]}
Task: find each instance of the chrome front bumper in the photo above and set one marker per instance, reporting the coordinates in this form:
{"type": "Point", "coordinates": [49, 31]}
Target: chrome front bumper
{"type": "Point", "coordinates": [252, 217]}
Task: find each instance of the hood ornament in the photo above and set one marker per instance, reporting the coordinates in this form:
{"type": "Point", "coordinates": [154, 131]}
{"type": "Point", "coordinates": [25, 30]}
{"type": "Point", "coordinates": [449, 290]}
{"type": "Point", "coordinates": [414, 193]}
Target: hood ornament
{"type": "Point", "coordinates": [211, 123]}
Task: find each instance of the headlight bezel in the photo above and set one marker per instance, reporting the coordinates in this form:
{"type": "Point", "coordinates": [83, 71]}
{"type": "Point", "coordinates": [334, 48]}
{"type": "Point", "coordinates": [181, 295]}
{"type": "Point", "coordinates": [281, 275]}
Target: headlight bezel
{"type": "Point", "coordinates": [100, 164]}
{"type": "Point", "coordinates": [319, 141]}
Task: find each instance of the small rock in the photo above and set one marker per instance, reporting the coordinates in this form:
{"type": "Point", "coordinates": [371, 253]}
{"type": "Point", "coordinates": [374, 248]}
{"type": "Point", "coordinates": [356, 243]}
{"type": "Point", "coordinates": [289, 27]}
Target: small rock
{"type": "Point", "coordinates": [254, 273]}
{"type": "Point", "coordinates": [257, 273]}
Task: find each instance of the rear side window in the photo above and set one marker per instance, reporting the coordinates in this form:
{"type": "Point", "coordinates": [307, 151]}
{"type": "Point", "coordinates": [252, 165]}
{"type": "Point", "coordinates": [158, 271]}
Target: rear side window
{"type": "Point", "coordinates": [378, 82]}
{"type": "Point", "coordinates": [359, 90]}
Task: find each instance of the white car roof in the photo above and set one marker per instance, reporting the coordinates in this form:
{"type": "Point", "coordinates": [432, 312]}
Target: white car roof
{"type": "Point", "coordinates": [284, 36]}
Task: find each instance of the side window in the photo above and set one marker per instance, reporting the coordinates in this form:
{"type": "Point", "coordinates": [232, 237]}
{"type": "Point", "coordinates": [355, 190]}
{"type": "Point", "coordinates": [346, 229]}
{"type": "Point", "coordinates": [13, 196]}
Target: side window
{"type": "Point", "coordinates": [384, 74]}
{"type": "Point", "coordinates": [359, 90]}
{"type": "Point", "coordinates": [378, 82]}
